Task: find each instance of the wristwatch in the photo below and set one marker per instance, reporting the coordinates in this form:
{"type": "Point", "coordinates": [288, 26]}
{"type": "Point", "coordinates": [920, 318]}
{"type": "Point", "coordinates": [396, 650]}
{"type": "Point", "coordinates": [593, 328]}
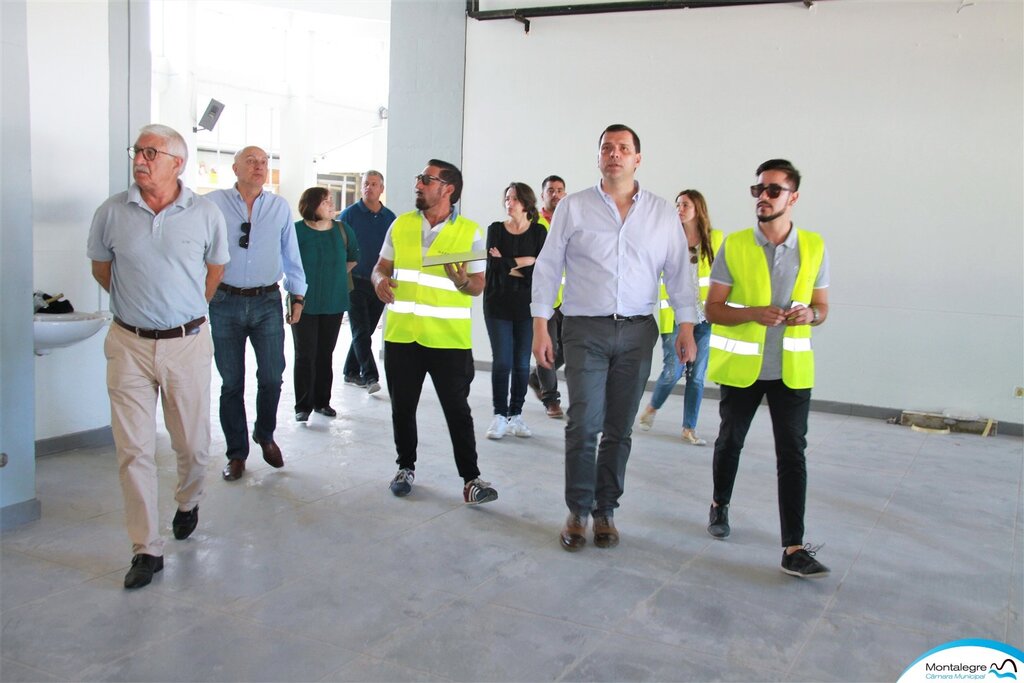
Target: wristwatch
{"type": "Point", "coordinates": [817, 316]}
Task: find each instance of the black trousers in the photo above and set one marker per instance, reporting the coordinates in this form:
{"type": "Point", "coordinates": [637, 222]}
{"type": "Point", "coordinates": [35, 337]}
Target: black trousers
{"type": "Point", "coordinates": [789, 409]}
{"type": "Point", "coordinates": [315, 337]}
{"type": "Point", "coordinates": [451, 371]}
{"type": "Point", "coordinates": [364, 311]}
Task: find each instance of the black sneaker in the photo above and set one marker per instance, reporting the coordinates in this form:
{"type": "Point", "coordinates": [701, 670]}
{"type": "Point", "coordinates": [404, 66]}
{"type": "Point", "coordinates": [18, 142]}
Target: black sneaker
{"type": "Point", "coordinates": [802, 563]}
{"type": "Point", "coordinates": [401, 485]}
{"type": "Point", "coordinates": [478, 491]}
{"type": "Point", "coordinates": [718, 521]}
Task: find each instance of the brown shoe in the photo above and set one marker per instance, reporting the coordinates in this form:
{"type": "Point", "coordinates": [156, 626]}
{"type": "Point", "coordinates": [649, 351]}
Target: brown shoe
{"type": "Point", "coordinates": [605, 533]}
{"type": "Point", "coordinates": [554, 410]}
{"type": "Point", "coordinates": [573, 534]}
{"type": "Point", "coordinates": [233, 470]}
{"type": "Point", "coordinates": [271, 453]}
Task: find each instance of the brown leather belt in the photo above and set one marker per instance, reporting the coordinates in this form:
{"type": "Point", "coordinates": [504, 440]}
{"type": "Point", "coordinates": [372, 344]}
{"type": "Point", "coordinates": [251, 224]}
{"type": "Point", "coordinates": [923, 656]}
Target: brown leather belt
{"type": "Point", "coordinates": [188, 329]}
{"type": "Point", "coordinates": [247, 291]}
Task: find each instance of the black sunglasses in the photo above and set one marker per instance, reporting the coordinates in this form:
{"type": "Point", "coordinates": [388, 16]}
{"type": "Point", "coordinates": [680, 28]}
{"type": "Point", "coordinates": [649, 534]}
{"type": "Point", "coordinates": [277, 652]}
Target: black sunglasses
{"type": "Point", "coordinates": [243, 241]}
{"type": "Point", "coordinates": [427, 179]}
{"type": "Point", "coordinates": [773, 190]}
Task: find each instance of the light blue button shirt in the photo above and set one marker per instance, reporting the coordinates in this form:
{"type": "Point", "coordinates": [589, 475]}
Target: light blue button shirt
{"type": "Point", "coordinates": [273, 249]}
{"type": "Point", "coordinates": [611, 265]}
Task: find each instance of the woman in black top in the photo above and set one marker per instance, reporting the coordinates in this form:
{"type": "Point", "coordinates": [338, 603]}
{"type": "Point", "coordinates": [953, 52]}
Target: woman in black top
{"type": "Point", "coordinates": [512, 248]}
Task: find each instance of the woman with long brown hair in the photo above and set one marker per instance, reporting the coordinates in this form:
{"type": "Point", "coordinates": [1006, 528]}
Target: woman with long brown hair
{"type": "Point", "coordinates": [704, 242]}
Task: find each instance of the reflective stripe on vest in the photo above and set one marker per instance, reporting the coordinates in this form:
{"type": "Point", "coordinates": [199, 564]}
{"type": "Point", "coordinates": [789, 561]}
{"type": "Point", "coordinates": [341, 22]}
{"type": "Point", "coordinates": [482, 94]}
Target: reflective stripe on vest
{"type": "Point", "coordinates": [730, 360]}
{"type": "Point", "coordinates": [428, 308]}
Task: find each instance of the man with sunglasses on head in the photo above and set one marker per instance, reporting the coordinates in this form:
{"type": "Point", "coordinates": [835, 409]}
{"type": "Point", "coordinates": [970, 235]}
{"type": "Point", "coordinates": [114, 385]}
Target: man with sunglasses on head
{"type": "Point", "coordinates": [768, 288]}
{"type": "Point", "coordinates": [613, 242]}
{"type": "Point", "coordinates": [160, 250]}
{"type": "Point", "coordinates": [428, 327]}
{"type": "Point", "coordinates": [247, 305]}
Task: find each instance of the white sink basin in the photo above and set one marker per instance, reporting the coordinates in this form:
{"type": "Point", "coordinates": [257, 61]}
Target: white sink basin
{"type": "Point", "coordinates": [57, 330]}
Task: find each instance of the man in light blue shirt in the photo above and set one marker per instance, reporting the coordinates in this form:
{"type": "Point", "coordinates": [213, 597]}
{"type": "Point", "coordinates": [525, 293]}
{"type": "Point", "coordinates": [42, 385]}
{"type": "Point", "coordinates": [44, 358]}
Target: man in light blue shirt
{"type": "Point", "coordinates": [247, 305]}
{"type": "Point", "coordinates": [613, 242]}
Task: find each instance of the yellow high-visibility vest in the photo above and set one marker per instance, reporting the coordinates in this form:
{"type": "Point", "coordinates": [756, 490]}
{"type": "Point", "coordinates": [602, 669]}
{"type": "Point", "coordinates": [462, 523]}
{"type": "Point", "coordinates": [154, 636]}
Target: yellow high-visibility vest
{"type": "Point", "coordinates": [737, 351]}
{"type": "Point", "coordinates": [666, 318]}
{"type": "Point", "coordinates": [547, 226]}
{"type": "Point", "coordinates": [428, 309]}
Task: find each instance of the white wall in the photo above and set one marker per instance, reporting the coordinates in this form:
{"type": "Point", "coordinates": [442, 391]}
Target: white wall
{"type": "Point", "coordinates": [68, 92]}
{"type": "Point", "coordinates": [905, 118]}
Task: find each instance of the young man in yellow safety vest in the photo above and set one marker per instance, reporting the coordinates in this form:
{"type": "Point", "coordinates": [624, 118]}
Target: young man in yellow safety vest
{"type": "Point", "coordinates": [768, 288]}
{"type": "Point", "coordinates": [428, 325]}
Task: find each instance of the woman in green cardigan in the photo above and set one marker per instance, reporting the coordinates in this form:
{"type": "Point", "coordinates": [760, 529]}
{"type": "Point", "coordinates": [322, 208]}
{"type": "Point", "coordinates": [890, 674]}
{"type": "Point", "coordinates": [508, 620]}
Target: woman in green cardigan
{"type": "Point", "coordinates": [329, 250]}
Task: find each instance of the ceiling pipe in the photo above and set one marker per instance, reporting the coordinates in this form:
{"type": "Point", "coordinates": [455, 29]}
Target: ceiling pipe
{"type": "Point", "coordinates": [523, 14]}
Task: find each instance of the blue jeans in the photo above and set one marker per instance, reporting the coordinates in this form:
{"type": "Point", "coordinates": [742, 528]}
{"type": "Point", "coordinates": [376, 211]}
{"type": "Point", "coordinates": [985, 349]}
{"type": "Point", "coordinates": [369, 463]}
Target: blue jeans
{"type": "Point", "coordinates": [511, 346]}
{"type": "Point", "coordinates": [233, 319]}
{"type": "Point", "coordinates": [672, 370]}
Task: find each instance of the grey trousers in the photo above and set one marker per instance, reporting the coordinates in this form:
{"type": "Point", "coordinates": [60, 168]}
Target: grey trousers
{"type": "Point", "coordinates": [607, 364]}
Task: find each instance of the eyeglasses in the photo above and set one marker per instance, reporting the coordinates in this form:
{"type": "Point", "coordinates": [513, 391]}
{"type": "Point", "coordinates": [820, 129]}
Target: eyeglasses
{"type": "Point", "coordinates": [427, 179]}
{"type": "Point", "coordinates": [773, 190]}
{"type": "Point", "coordinates": [243, 241]}
{"type": "Point", "coordinates": [148, 153]}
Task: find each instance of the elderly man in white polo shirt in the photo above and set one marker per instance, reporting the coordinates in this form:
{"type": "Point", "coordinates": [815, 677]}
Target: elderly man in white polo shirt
{"type": "Point", "coordinates": [160, 251]}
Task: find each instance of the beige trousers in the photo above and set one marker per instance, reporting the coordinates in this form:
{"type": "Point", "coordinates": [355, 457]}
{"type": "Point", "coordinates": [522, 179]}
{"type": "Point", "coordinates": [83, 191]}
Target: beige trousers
{"type": "Point", "coordinates": [139, 370]}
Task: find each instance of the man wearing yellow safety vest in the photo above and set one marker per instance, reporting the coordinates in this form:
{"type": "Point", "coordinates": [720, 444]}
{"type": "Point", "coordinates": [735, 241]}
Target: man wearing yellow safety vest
{"type": "Point", "coordinates": [544, 381]}
{"type": "Point", "coordinates": [768, 288]}
{"type": "Point", "coordinates": [428, 325]}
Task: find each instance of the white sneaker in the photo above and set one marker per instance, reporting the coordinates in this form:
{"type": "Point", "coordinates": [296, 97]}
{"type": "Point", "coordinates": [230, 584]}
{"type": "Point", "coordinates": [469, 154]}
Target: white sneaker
{"type": "Point", "coordinates": [499, 425]}
{"type": "Point", "coordinates": [647, 418]}
{"type": "Point", "coordinates": [518, 428]}
{"type": "Point", "coordinates": [372, 387]}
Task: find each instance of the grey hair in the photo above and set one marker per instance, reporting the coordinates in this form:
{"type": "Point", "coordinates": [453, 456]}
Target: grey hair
{"type": "Point", "coordinates": [376, 173]}
{"type": "Point", "coordinates": [175, 143]}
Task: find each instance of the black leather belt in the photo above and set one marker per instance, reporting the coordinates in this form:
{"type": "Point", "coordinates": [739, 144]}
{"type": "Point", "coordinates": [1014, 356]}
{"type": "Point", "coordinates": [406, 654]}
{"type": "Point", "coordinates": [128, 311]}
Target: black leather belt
{"type": "Point", "coordinates": [188, 329]}
{"type": "Point", "coordinates": [627, 318]}
{"type": "Point", "coordinates": [247, 291]}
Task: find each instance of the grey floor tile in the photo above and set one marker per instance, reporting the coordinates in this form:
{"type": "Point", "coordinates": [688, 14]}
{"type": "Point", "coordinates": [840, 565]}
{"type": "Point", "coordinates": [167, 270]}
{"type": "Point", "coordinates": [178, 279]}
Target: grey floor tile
{"type": "Point", "coordinates": [97, 546]}
{"type": "Point", "coordinates": [821, 661]}
{"type": "Point", "coordinates": [618, 658]}
{"type": "Point", "coordinates": [222, 648]}
{"type": "Point", "coordinates": [24, 579]}
{"type": "Point", "coordinates": [475, 641]}
{"type": "Point", "coordinates": [88, 625]}
{"type": "Point", "coordinates": [12, 672]}
{"type": "Point", "coordinates": [365, 669]}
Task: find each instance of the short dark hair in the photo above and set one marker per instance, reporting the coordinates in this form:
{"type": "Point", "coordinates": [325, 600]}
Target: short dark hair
{"type": "Point", "coordinates": [621, 128]}
{"type": "Point", "coordinates": [526, 196]}
{"type": "Point", "coordinates": [310, 201]}
{"type": "Point", "coordinates": [783, 165]}
{"type": "Point", "coordinates": [451, 175]}
{"type": "Point", "coordinates": [551, 179]}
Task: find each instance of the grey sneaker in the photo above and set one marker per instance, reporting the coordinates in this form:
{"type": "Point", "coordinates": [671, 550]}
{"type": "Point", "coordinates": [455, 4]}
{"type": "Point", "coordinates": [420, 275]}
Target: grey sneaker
{"type": "Point", "coordinates": [372, 387]}
{"type": "Point", "coordinates": [401, 485]}
{"type": "Point", "coordinates": [802, 563]}
{"type": "Point", "coordinates": [718, 521]}
{"type": "Point", "coordinates": [478, 491]}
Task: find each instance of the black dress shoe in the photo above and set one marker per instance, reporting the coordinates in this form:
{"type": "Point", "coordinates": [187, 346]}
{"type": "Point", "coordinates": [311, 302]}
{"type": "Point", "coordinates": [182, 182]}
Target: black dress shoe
{"type": "Point", "coordinates": [302, 416]}
{"type": "Point", "coordinates": [271, 453]}
{"type": "Point", "coordinates": [185, 523]}
{"type": "Point", "coordinates": [233, 470]}
{"type": "Point", "coordinates": [326, 411]}
{"type": "Point", "coordinates": [143, 568]}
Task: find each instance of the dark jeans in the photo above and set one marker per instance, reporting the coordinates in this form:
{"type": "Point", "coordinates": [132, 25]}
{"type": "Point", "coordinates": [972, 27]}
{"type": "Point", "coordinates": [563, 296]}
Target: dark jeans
{"type": "Point", "coordinates": [451, 371]}
{"type": "Point", "coordinates": [788, 409]}
{"type": "Point", "coordinates": [260, 319]}
{"type": "Point", "coordinates": [315, 337]}
{"type": "Point", "coordinates": [547, 378]}
{"type": "Point", "coordinates": [511, 346]}
{"type": "Point", "coordinates": [607, 363]}
{"type": "Point", "coordinates": [364, 313]}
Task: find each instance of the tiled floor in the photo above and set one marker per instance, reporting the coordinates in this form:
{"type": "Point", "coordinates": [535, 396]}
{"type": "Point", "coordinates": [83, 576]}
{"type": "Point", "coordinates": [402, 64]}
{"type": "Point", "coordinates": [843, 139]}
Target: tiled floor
{"type": "Point", "coordinates": [316, 572]}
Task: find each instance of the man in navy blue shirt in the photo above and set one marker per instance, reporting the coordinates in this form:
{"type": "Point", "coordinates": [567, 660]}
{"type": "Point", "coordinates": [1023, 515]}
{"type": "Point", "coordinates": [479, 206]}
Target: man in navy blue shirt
{"type": "Point", "coordinates": [370, 220]}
